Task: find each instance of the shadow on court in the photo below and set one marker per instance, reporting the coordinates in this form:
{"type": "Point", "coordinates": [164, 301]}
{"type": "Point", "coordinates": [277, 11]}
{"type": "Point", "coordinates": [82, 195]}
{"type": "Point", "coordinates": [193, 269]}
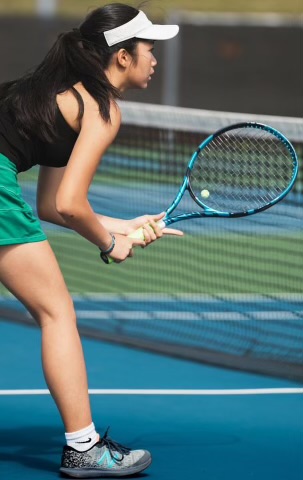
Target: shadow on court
{"type": "Point", "coordinates": [31, 448]}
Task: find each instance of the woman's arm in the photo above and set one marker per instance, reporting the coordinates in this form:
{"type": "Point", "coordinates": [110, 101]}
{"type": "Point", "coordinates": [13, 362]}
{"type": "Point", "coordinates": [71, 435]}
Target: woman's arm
{"type": "Point", "coordinates": [48, 184]}
{"type": "Point", "coordinates": [71, 202]}
{"type": "Point", "coordinates": [62, 193]}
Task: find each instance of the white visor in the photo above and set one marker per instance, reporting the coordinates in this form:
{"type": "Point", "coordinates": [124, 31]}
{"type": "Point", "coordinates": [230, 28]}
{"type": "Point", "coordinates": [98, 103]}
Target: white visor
{"type": "Point", "coordinates": [140, 27]}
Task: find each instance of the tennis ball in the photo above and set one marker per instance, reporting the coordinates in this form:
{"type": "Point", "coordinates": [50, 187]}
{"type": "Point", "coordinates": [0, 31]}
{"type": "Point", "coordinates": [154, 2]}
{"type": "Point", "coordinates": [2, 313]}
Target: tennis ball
{"type": "Point", "coordinates": [204, 193]}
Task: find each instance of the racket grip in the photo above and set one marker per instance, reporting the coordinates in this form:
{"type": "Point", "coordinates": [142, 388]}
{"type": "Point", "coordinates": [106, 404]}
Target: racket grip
{"type": "Point", "coordinates": [139, 234]}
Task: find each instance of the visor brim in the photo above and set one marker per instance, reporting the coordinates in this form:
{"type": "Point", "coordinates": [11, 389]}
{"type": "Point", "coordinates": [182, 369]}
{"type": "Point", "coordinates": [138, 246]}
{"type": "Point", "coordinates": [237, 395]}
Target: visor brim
{"type": "Point", "coordinates": [159, 32]}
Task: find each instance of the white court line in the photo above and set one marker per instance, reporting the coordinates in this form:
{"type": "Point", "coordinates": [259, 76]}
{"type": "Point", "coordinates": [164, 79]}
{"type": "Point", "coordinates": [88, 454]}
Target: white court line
{"type": "Point", "coordinates": [192, 297]}
{"type": "Point", "coordinates": [203, 392]}
{"type": "Point", "coordinates": [185, 315]}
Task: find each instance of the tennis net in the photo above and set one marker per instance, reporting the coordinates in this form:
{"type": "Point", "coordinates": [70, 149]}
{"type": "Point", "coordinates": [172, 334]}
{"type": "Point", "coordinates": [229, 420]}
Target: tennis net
{"type": "Point", "coordinates": [229, 293]}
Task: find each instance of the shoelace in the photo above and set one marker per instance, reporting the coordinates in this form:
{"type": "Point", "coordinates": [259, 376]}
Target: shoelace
{"type": "Point", "coordinates": [114, 446]}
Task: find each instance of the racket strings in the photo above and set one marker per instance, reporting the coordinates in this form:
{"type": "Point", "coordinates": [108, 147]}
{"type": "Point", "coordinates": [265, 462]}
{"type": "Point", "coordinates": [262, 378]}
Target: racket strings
{"type": "Point", "coordinates": [242, 169]}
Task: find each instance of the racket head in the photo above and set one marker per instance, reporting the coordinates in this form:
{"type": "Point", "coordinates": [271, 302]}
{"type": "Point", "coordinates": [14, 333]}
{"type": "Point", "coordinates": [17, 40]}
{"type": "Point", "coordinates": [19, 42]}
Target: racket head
{"type": "Point", "coordinates": [246, 168]}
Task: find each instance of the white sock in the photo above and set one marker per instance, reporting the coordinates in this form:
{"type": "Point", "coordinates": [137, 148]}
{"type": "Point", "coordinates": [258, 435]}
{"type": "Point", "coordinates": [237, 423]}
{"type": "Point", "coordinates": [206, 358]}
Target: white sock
{"type": "Point", "coordinates": [83, 439]}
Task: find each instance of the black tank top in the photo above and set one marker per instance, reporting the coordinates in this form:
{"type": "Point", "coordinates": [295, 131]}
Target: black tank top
{"type": "Point", "coordinates": [27, 153]}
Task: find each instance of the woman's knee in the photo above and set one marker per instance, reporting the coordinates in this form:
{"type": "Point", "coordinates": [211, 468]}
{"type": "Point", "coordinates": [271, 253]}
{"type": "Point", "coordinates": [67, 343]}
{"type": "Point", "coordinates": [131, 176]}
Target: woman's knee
{"type": "Point", "coordinates": [56, 313]}
{"type": "Point", "coordinates": [39, 284]}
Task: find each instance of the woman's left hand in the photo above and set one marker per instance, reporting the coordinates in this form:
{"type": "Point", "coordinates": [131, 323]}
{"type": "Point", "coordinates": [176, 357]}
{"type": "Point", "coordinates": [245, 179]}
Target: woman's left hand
{"type": "Point", "coordinates": [150, 226]}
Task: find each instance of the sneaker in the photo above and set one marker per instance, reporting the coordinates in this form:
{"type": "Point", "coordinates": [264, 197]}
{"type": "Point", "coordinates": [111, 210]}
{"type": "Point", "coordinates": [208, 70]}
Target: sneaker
{"type": "Point", "coordinates": [105, 459]}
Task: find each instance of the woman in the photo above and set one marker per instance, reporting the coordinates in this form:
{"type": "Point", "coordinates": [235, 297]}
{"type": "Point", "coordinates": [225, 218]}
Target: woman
{"type": "Point", "coordinates": [63, 117]}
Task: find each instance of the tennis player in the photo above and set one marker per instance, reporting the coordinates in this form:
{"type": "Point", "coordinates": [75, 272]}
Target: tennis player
{"type": "Point", "coordinates": [63, 116]}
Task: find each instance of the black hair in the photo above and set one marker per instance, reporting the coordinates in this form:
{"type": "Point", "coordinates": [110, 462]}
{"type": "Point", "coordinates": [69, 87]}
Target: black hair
{"type": "Point", "coordinates": [81, 55]}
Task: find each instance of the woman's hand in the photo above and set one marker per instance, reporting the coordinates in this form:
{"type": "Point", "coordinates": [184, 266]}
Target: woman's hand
{"type": "Point", "coordinates": [151, 229]}
{"type": "Point", "coordinates": [151, 232]}
{"type": "Point", "coordinates": [124, 247]}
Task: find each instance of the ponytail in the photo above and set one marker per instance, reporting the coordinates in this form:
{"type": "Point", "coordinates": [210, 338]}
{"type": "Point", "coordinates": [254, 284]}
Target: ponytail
{"type": "Point", "coordinates": [81, 55]}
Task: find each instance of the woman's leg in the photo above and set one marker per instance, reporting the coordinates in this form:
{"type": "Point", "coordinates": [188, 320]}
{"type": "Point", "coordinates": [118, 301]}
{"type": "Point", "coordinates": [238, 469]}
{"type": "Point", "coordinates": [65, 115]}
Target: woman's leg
{"type": "Point", "coordinates": [31, 272]}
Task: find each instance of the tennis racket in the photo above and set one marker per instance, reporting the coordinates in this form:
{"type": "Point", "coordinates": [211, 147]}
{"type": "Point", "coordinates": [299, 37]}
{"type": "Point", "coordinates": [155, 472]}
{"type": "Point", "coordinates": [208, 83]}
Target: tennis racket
{"type": "Point", "coordinates": [240, 170]}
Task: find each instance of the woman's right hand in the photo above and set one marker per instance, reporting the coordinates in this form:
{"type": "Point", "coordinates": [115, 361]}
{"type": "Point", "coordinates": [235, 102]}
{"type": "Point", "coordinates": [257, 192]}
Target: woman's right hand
{"type": "Point", "coordinates": [124, 247]}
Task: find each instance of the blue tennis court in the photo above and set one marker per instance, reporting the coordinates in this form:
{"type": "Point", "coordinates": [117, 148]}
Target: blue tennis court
{"type": "Point", "coordinates": [191, 429]}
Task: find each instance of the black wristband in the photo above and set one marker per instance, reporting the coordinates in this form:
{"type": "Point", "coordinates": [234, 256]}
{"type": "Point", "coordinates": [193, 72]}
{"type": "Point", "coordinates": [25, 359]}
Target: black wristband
{"type": "Point", "coordinates": [104, 253]}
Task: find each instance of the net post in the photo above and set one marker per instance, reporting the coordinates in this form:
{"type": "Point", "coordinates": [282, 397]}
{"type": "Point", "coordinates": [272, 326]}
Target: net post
{"type": "Point", "coordinates": [46, 8]}
{"type": "Point", "coordinates": [172, 56]}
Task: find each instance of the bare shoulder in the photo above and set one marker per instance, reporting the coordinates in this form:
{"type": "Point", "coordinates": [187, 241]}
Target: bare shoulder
{"type": "Point", "coordinates": [95, 137]}
{"type": "Point", "coordinates": [69, 108]}
{"type": "Point", "coordinates": [95, 134]}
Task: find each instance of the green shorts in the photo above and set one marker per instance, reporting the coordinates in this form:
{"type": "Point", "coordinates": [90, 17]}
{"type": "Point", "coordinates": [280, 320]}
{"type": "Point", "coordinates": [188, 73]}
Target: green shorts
{"type": "Point", "coordinates": [18, 223]}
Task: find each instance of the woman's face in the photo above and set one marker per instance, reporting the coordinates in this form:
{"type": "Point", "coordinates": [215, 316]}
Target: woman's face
{"type": "Point", "coordinates": [142, 67]}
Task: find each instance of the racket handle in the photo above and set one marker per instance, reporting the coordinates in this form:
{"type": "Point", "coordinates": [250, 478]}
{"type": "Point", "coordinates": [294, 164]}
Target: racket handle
{"type": "Point", "coordinates": [139, 234]}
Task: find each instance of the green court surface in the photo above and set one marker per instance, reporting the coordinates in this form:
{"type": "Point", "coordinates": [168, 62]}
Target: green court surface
{"type": "Point", "coordinates": [193, 264]}
{"type": "Point", "coordinates": [219, 270]}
